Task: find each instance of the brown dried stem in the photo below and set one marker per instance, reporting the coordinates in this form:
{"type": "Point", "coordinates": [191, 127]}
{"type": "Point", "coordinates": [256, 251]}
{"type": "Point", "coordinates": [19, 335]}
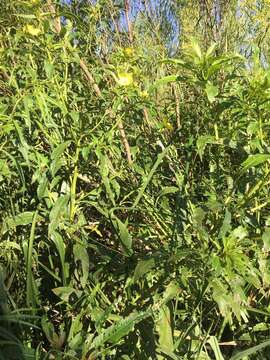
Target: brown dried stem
{"type": "Point", "coordinates": [56, 19]}
{"type": "Point", "coordinates": [127, 7]}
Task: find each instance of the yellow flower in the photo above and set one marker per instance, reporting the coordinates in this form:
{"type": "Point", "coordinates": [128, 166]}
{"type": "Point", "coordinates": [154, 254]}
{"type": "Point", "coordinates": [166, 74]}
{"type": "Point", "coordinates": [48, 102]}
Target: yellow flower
{"type": "Point", "coordinates": [129, 51]}
{"type": "Point", "coordinates": [144, 94]}
{"type": "Point", "coordinates": [166, 124]}
{"type": "Point", "coordinates": [124, 79]}
{"type": "Point", "coordinates": [30, 29]}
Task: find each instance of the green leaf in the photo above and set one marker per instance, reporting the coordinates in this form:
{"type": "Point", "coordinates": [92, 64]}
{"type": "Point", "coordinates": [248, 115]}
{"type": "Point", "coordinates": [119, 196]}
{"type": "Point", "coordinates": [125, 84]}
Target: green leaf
{"type": "Point", "coordinates": [49, 69]}
{"type": "Point", "coordinates": [64, 292]}
{"type": "Point", "coordinates": [202, 141]}
{"type": "Point", "coordinates": [117, 331]}
{"type": "Point", "coordinates": [165, 329]}
{"type": "Point", "coordinates": [172, 291]}
{"type": "Point", "coordinates": [251, 351]}
{"type": "Point", "coordinates": [239, 233]}
{"type": "Point", "coordinates": [104, 172]}
{"type": "Point", "coordinates": [168, 190]}
{"type": "Point", "coordinates": [22, 219]}
{"type": "Point", "coordinates": [147, 180]}
{"type": "Point", "coordinates": [261, 327]}
{"type": "Point", "coordinates": [165, 80]}
{"type": "Point", "coordinates": [195, 49]}
{"type": "Point", "coordinates": [254, 160]}
{"type": "Point", "coordinates": [26, 16]}
{"type": "Point", "coordinates": [81, 257]}
{"type": "Point", "coordinates": [226, 225]}
{"type": "Point", "coordinates": [125, 237]}
{"type": "Point", "coordinates": [210, 50]}
{"type": "Point", "coordinates": [48, 328]}
{"type": "Point", "coordinates": [174, 61]}
{"type": "Point", "coordinates": [74, 337]}
{"type": "Point", "coordinates": [61, 248]}
{"type": "Point", "coordinates": [266, 239]}
{"type": "Point", "coordinates": [212, 341]}
{"type": "Point", "coordinates": [31, 286]}
{"type": "Point", "coordinates": [42, 187]}
{"type": "Point", "coordinates": [58, 212]}
{"type": "Point", "coordinates": [143, 267]}
{"type": "Point", "coordinates": [211, 92]}
{"type": "Point", "coordinates": [57, 163]}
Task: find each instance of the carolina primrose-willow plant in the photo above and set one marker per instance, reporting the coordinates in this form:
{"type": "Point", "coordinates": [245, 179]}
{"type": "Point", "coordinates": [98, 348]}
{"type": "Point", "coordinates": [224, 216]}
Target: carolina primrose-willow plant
{"type": "Point", "coordinates": [134, 194]}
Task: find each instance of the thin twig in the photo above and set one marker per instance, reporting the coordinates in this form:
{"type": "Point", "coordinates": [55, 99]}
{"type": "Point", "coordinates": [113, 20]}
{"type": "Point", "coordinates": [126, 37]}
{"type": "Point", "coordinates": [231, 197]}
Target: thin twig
{"type": "Point", "coordinates": [125, 141]}
{"type": "Point", "coordinates": [90, 78]}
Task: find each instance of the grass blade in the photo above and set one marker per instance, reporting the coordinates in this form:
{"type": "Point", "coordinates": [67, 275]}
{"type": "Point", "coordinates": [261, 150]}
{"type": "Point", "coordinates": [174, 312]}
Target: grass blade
{"type": "Point", "coordinates": [251, 351]}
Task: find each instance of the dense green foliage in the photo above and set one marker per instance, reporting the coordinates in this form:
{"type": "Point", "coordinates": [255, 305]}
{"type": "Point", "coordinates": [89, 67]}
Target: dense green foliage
{"type": "Point", "coordinates": [134, 189]}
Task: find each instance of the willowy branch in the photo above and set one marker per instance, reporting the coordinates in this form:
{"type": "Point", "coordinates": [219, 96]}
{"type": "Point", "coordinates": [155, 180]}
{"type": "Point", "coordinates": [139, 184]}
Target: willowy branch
{"type": "Point", "coordinates": [91, 80]}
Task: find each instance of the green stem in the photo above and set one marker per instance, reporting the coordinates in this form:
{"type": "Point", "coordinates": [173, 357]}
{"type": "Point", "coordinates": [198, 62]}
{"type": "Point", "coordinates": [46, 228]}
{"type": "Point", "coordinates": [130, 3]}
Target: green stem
{"type": "Point", "coordinates": [30, 287]}
{"type": "Point", "coordinates": [73, 187]}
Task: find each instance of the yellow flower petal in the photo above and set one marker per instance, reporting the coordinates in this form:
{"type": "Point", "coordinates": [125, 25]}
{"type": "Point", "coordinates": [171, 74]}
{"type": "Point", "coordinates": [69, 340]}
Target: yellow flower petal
{"type": "Point", "coordinates": [129, 51]}
{"type": "Point", "coordinates": [30, 29]}
{"type": "Point", "coordinates": [144, 94]}
{"type": "Point", "coordinates": [124, 79]}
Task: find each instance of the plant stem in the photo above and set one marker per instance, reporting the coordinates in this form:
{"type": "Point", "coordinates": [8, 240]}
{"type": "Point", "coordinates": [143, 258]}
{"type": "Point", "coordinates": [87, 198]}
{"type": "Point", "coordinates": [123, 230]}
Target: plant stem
{"type": "Point", "coordinates": [73, 187]}
{"type": "Point", "coordinates": [127, 7]}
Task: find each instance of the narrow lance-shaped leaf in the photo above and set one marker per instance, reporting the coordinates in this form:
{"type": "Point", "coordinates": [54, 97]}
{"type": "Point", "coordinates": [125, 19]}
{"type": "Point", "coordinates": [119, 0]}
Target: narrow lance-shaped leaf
{"type": "Point", "coordinates": [117, 331]}
{"type": "Point", "coordinates": [57, 212]}
{"type": "Point", "coordinates": [251, 351]}
{"type": "Point", "coordinates": [124, 235]}
{"type": "Point", "coordinates": [254, 160]}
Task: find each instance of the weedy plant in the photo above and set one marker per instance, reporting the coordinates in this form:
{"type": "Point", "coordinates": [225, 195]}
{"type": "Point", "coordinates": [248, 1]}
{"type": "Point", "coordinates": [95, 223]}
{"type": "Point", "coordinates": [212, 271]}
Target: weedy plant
{"type": "Point", "coordinates": [134, 192]}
